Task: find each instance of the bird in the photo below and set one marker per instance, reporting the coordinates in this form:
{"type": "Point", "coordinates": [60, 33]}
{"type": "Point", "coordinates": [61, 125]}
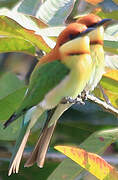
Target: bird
{"type": "Point", "coordinates": [96, 48]}
{"type": "Point", "coordinates": [65, 75]}
{"type": "Point", "coordinates": [96, 51]}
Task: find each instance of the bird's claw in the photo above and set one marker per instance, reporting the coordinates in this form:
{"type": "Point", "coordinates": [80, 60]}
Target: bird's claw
{"type": "Point", "coordinates": [70, 100]}
{"type": "Point", "coordinates": [83, 95]}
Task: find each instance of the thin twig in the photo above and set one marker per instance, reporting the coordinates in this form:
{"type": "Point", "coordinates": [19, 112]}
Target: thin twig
{"type": "Point", "coordinates": [104, 95]}
{"type": "Point", "coordinates": [103, 104]}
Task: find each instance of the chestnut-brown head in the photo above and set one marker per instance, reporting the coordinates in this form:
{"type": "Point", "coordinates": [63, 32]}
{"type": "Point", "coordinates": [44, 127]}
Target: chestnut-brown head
{"type": "Point", "coordinates": [70, 32]}
{"type": "Point", "coordinates": [89, 20]}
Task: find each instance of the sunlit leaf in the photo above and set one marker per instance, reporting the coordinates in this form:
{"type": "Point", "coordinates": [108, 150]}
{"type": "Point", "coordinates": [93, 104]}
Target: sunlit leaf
{"type": "Point", "coordinates": [109, 84]}
{"type": "Point", "coordinates": [113, 74]}
{"type": "Point", "coordinates": [112, 15]}
{"type": "Point", "coordinates": [55, 12]}
{"type": "Point", "coordinates": [16, 45]}
{"type": "Point", "coordinates": [111, 61]}
{"type": "Point", "coordinates": [9, 27]}
{"type": "Point", "coordinates": [111, 46]}
{"type": "Point", "coordinates": [90, 161]}
{"type": "Point", "coordinates": [95, 143]}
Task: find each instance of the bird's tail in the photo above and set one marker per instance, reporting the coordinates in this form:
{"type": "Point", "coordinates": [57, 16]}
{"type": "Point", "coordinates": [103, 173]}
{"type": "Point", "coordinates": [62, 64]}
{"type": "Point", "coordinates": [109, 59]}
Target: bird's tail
{"type": "Point", "coordinates": [12, 118]}
{"type": "Point", "coordinates": [29, 120]}
{"type": "Point", "coordinates": [39, 152]}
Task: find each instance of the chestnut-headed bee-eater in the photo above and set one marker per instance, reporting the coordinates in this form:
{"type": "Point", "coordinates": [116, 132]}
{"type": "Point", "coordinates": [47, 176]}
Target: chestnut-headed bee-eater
{"type": "Point", "coordinates": [97, 54]}
{"type": "Point", "coordinates": [66, 76]}
{"type": "Point", "coordinates": [96, 48]}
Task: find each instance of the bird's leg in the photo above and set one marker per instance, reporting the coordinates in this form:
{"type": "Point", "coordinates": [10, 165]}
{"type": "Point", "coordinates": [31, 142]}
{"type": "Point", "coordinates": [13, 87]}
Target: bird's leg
{"type": "Point", "coordinates": [70, 100]}
{"type": "Point", "coordinates": [83, 95]}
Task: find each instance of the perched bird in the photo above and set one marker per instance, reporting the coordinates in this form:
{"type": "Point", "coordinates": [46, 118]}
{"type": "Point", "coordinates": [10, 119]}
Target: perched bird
{"type": "Point", "coordinates": [96, 48]}
{"type": "Point", "coordinates": [97, 54]}
{"type": "Point", "coordinates": [52, 81]}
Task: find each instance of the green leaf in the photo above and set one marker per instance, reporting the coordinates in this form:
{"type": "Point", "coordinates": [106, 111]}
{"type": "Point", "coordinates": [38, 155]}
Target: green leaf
{"type": "Point", "coordinates": [95, 143]}
{"type": "Point", "coordinates": [33, 172]}
{"type": "Point", "coordinates": [29, 6]}
{"type": "Point", "coordinates": [111, 46]}
{"type": "Point", "coordinates": [102, 170]}
{"type": "Point", "coordinates": [112, 15]}
{"type": "Point", "coordinates": [55, 12]}
{"type": "Point", "coordinates": [11, 132]}
{"type": "Point", "coordinates": [8, 3]}
{"type": "Point", "coordinates": [109, 84]}
{"type": "Point", "coordinates": [9, 83]}
{"type": "Point", "coordinates": [10, 28]}
{"type": "Point", "coordinates": [16, 45]}
{"type": "Point", "coordinates": [10, 103]}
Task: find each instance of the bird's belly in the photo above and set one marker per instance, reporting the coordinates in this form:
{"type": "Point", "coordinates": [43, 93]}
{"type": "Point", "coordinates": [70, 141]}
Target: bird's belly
{"type": "Point", "coordinates": [64, 89]}
{"type": "Point", "coordinates": [71, 86]}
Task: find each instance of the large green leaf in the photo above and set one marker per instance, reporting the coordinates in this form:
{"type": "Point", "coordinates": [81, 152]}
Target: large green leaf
{"type": "Point", "coordinates": [55, 12]}
{"type": "Point", "coordinates": [9, 104]}
{"type": "Point", "coordinates": [102, 170]}
{"type": "Point", "coordinates": [16, 45]}
{"type": "Point", "coordinates": [25, 30]}
{"type": "Point", "coordinates": [9, 83]}
{"type": "Point", "coordinates": [11, 132]}
{"type": "Point", "coordinates": [27, 173]}
{"type": "Point", "coordinates": [96, 143]}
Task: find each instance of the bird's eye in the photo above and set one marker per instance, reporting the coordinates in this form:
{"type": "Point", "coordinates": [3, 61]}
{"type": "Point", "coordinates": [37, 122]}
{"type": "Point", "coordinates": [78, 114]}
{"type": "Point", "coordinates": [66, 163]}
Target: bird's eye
{"type": "Point", "coordinates": [92, 25]}
{"type": "Point", "coordinates": [72, 36]}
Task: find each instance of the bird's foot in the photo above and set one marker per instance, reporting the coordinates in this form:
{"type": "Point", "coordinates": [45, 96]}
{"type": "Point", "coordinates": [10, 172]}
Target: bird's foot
{"type": "Point", "coordinates": [83, 95]}
{"type": "Point", "coordinates": [70, 100]}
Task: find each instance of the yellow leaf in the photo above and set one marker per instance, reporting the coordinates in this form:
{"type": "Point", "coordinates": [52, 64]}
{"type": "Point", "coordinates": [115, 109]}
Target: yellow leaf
{"type": "Point", "coordinates": [94, 2]}
{"type": "Point", "coordinates": [115, 1]}
{"type": "Point", "coordinates": [91, 162]}
{"type": "Point", "coordinates": [113, 74]}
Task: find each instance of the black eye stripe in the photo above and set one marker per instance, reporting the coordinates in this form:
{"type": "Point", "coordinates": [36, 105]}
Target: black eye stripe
{"type": "Point", "coordinates": [72, 36]}
{"type": "Point", "coordinates": [92, 25]}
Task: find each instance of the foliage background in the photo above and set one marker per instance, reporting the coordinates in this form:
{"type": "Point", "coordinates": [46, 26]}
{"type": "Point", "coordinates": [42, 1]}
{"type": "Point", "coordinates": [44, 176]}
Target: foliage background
{"type": "Point", "coordinates": [78, 122]}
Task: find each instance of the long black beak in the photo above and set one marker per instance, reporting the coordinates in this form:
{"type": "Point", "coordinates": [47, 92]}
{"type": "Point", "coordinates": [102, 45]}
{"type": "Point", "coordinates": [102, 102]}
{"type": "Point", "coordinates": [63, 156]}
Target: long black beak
{"type": "Point", "coordinates": [102, 22]}
{"type": "Point", "coordinates": [88, 30]}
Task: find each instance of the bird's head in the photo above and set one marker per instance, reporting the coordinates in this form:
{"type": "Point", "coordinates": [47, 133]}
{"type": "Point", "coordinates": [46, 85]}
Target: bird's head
{"type": "Point", "coordinates": [73, 41]}
{"type": "Point", "coordinates": [91, 20]}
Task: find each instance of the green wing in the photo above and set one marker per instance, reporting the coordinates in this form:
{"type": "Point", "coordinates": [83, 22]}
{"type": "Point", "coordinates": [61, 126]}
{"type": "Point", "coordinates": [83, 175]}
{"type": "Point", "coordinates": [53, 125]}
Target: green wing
{"type": "Point", "coordinates": [43, 79]}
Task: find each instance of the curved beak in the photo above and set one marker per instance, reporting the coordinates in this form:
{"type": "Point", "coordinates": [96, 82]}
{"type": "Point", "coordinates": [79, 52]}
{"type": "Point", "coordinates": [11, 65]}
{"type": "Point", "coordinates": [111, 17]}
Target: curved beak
{"type": "Point", "coordinates": [84, 33]}
{"type": "Point", "coordinates": [102, 22]}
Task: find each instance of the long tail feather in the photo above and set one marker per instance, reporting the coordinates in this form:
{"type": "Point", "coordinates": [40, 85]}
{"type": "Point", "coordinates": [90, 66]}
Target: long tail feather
{"type": "Point", "coordinates": [39, 152]}
{"type": "Point", "coordinates": [28, 122]}
{"type": "Point", "coordinates": [16, 158]}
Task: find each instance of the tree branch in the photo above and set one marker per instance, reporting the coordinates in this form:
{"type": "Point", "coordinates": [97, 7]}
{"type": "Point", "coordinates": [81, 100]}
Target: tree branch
{"type": "Point", "coordinates": [103, 104]}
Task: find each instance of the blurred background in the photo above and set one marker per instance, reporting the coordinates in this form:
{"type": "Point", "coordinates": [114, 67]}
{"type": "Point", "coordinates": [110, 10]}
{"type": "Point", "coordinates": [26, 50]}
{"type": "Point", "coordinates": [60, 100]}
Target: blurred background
{"type": "Point", "coordinates": [74, 126]}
